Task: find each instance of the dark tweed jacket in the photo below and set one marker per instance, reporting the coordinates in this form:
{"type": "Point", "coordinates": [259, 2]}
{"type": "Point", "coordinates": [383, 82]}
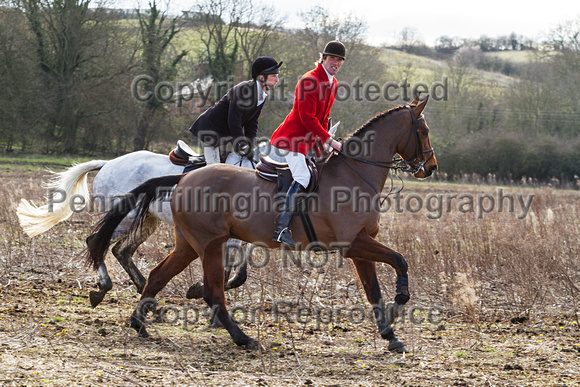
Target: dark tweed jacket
{"type": "Point", "coordinates": [235, 115]}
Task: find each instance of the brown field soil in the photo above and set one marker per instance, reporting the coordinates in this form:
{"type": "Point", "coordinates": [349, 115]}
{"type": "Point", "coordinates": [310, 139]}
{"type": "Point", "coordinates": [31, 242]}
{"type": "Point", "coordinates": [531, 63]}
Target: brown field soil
{"type": "Point", "coordinates": [495, 331]}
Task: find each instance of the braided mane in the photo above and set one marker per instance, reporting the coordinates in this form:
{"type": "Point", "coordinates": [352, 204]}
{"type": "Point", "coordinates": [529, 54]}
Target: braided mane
{"type": "Point", "coordinates": [360, 131]}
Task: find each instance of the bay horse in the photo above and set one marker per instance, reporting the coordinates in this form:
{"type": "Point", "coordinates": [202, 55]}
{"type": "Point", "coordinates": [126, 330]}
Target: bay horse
{"type": "Point", "coordinates": [115, 178]}
{"type": "Point", "coordinates": [201, 231]}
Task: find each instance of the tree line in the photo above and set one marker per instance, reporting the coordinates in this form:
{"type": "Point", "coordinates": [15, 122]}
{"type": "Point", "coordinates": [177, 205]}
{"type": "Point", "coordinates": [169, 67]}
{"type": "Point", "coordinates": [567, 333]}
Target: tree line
{"type": "Point", "coordinates": [68, 71]}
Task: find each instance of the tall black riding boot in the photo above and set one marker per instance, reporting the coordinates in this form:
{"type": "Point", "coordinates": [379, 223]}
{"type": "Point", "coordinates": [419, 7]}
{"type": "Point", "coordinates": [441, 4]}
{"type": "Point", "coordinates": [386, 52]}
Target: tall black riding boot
{"type": "Point", "coordinates": [283, 234]}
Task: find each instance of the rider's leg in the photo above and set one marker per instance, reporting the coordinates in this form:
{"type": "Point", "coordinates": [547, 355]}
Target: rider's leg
{"type": "Point", "coordinates": [211, 154]}
{"type": "Point", "coordinates": [234, 159]}
{"type": "Point", "coordinates": [301, 176]}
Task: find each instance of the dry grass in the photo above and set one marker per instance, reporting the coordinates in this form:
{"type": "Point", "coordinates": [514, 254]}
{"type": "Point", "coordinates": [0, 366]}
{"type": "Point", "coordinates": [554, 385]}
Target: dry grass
{"type": "Point", "coordinates": [506, 287]}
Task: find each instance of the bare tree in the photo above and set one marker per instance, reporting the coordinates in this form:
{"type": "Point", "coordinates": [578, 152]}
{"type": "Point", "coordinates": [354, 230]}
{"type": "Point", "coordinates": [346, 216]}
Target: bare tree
{"type": "Point", "coordinates": [566, 36]}
{"type": "Point", "coordinates": [221, 19]}
{"type": "Point", "coordinates": [235, 31]}
{"type": "Point", "coordinates": [72, 45]}
{"type": "Point", "coordinates": [64, 34]}
{"type": "Point", "coordinates": [156, 35]}
{"type": "Point", "coordinates": [447, 44]}
{"type": "Point", "coordinates": [409, 38]}
{"type": "Point", "coordinates": [20, 103]}
{"type": "Point", "coordinates": [304, 45]}
{"type": "Point", "coordinates": [320, 27]}
{"type": "Point", "coordinates": [256, 31]}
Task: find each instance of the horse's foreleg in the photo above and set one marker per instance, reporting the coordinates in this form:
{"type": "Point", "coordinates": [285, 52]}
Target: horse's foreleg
{"type": "Point", "coordinates": [213, 292]}
{"type": "Point", "coordinates": [365, 247]}
{"type": "Point", "coordinates": [367, 274]}
{"type": "Point", "coordinates": [105, 284]}
{"type": "Point", "coordinates": [126, 247]}
{"type": "Point", "coordinates": [181, 256]}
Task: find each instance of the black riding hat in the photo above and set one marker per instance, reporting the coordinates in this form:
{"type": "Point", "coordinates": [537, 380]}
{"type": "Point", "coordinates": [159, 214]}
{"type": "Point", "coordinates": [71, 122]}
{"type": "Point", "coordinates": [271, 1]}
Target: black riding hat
{"type": "Point", "coordinates": [335, 48]}
{"type": "Point", "coordinates": [265, 65]}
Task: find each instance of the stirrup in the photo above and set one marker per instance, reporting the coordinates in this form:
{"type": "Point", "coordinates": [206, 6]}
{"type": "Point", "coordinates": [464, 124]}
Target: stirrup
{"type": "Point", "coordinates": [285, 237]}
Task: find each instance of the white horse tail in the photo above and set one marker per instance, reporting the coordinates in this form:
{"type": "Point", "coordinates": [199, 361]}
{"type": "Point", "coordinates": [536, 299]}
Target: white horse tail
{"type": "Point", "coordinates": [36, 220]}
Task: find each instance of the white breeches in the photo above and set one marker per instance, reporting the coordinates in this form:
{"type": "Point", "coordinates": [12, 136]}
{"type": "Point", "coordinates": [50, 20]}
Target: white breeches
{"type": "Point", "coordinates": [297, 164]}
{"type": "Point", "coordinates": [212, 154]}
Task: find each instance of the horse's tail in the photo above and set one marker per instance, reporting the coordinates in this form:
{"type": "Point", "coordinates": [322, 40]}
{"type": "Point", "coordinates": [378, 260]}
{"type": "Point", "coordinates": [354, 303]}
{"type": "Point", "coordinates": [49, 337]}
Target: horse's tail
{"type": "Point", "coordinates": [139, 200]}
{"type": "Point", "coordinates": [66, 185]}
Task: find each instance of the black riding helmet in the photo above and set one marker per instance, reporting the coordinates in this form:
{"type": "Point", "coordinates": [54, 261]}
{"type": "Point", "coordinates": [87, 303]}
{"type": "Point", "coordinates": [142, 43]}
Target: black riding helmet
{"type": "Point", "coordinates": [335, 48]}
{"type": "Point", "coordinates": [265, 65]}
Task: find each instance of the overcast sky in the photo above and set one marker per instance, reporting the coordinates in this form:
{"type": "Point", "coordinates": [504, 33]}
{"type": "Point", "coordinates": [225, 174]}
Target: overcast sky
{"type": "Point", "coordinates": [430, 18]}
{"type": "Point", "coordinates": [434, 18]}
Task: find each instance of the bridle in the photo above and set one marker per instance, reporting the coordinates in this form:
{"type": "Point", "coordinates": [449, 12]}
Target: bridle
{"type": "Point", "coordinates": [397, 164]}
{"type": "Point", "coordinates": [419, 151]}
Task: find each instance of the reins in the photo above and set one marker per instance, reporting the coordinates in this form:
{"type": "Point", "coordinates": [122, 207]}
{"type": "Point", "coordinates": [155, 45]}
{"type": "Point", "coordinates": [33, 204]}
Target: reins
{"type": "Point", "coordinates": [395, 168]}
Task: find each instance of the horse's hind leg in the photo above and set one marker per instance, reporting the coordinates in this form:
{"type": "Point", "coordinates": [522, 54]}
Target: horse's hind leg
{"type": "Point", "coordinates": [367, 274]}
{"type": "Point", "coordinates": [213, 292]}
{"type": "Point", "coordinates": [173, 264]}
{"type": "Point", "coordinates": [105, 284]}
{"type": "Point", "coordinates": [126, 247]}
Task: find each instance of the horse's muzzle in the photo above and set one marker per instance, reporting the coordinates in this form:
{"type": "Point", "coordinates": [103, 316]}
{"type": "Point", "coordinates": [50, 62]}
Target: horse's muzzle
{"type": "Point", "coordinates": [423, 172]}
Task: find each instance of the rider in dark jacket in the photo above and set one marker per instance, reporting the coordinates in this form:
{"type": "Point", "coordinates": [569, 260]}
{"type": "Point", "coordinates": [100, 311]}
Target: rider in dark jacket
{"type": "Point", "coordinates": [235, 116]}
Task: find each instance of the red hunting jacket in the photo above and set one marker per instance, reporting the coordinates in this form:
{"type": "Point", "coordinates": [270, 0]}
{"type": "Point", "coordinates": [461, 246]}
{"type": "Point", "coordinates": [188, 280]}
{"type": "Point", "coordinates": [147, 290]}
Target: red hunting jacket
{"type": "Point", "coordinates": [308, 119]}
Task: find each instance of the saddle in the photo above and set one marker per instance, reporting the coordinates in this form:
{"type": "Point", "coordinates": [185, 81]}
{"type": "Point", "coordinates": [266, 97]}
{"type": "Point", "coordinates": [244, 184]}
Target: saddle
{"type": "Point", "coordinates": [279, 173]}
{"type": "Point", "coordinates": [184, 156]}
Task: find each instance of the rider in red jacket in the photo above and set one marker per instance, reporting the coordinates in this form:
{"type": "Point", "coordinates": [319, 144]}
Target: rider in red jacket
{"type": "Point", "coordinates": [307, 122]}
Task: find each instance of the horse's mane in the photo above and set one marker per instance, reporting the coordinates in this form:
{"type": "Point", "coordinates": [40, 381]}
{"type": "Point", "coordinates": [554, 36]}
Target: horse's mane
{"type": "Point", "coordinates": [361, 131]}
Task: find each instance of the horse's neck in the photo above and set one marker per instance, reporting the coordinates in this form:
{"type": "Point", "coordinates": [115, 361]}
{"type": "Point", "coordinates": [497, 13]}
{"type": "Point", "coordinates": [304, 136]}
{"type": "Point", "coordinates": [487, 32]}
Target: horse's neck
{"type": "Point", "coordinates": [376, 175]}
{"type": "Point", "coordinates": [379, 142]}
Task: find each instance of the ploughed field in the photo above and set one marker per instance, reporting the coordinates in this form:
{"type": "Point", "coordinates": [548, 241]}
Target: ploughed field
{"type": "Point", "coordinates": [494, 301]}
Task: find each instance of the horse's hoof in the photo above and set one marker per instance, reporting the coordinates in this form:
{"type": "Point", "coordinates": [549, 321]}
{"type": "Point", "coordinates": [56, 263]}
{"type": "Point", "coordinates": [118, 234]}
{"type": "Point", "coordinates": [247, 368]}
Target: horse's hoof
{"type": "Point", "coordinates": [141, 331]}
{"type": "Point", "coordinates": [397, 346]}
{"type": "Point", "coordinates": [195, 291]}
{"type": "Point", "coordinates": [95, 298]}
{"type": "Point", "coordinates": [139, 327]}
{"type": "Point", "coordinates": [253, 345]}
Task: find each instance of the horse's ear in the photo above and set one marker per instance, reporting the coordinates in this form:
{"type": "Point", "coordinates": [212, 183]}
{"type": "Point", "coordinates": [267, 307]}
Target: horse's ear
{"type": "Point", "coordinates": [419, 108]}
{"type": "Point", "coordinates": [417, 99]}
